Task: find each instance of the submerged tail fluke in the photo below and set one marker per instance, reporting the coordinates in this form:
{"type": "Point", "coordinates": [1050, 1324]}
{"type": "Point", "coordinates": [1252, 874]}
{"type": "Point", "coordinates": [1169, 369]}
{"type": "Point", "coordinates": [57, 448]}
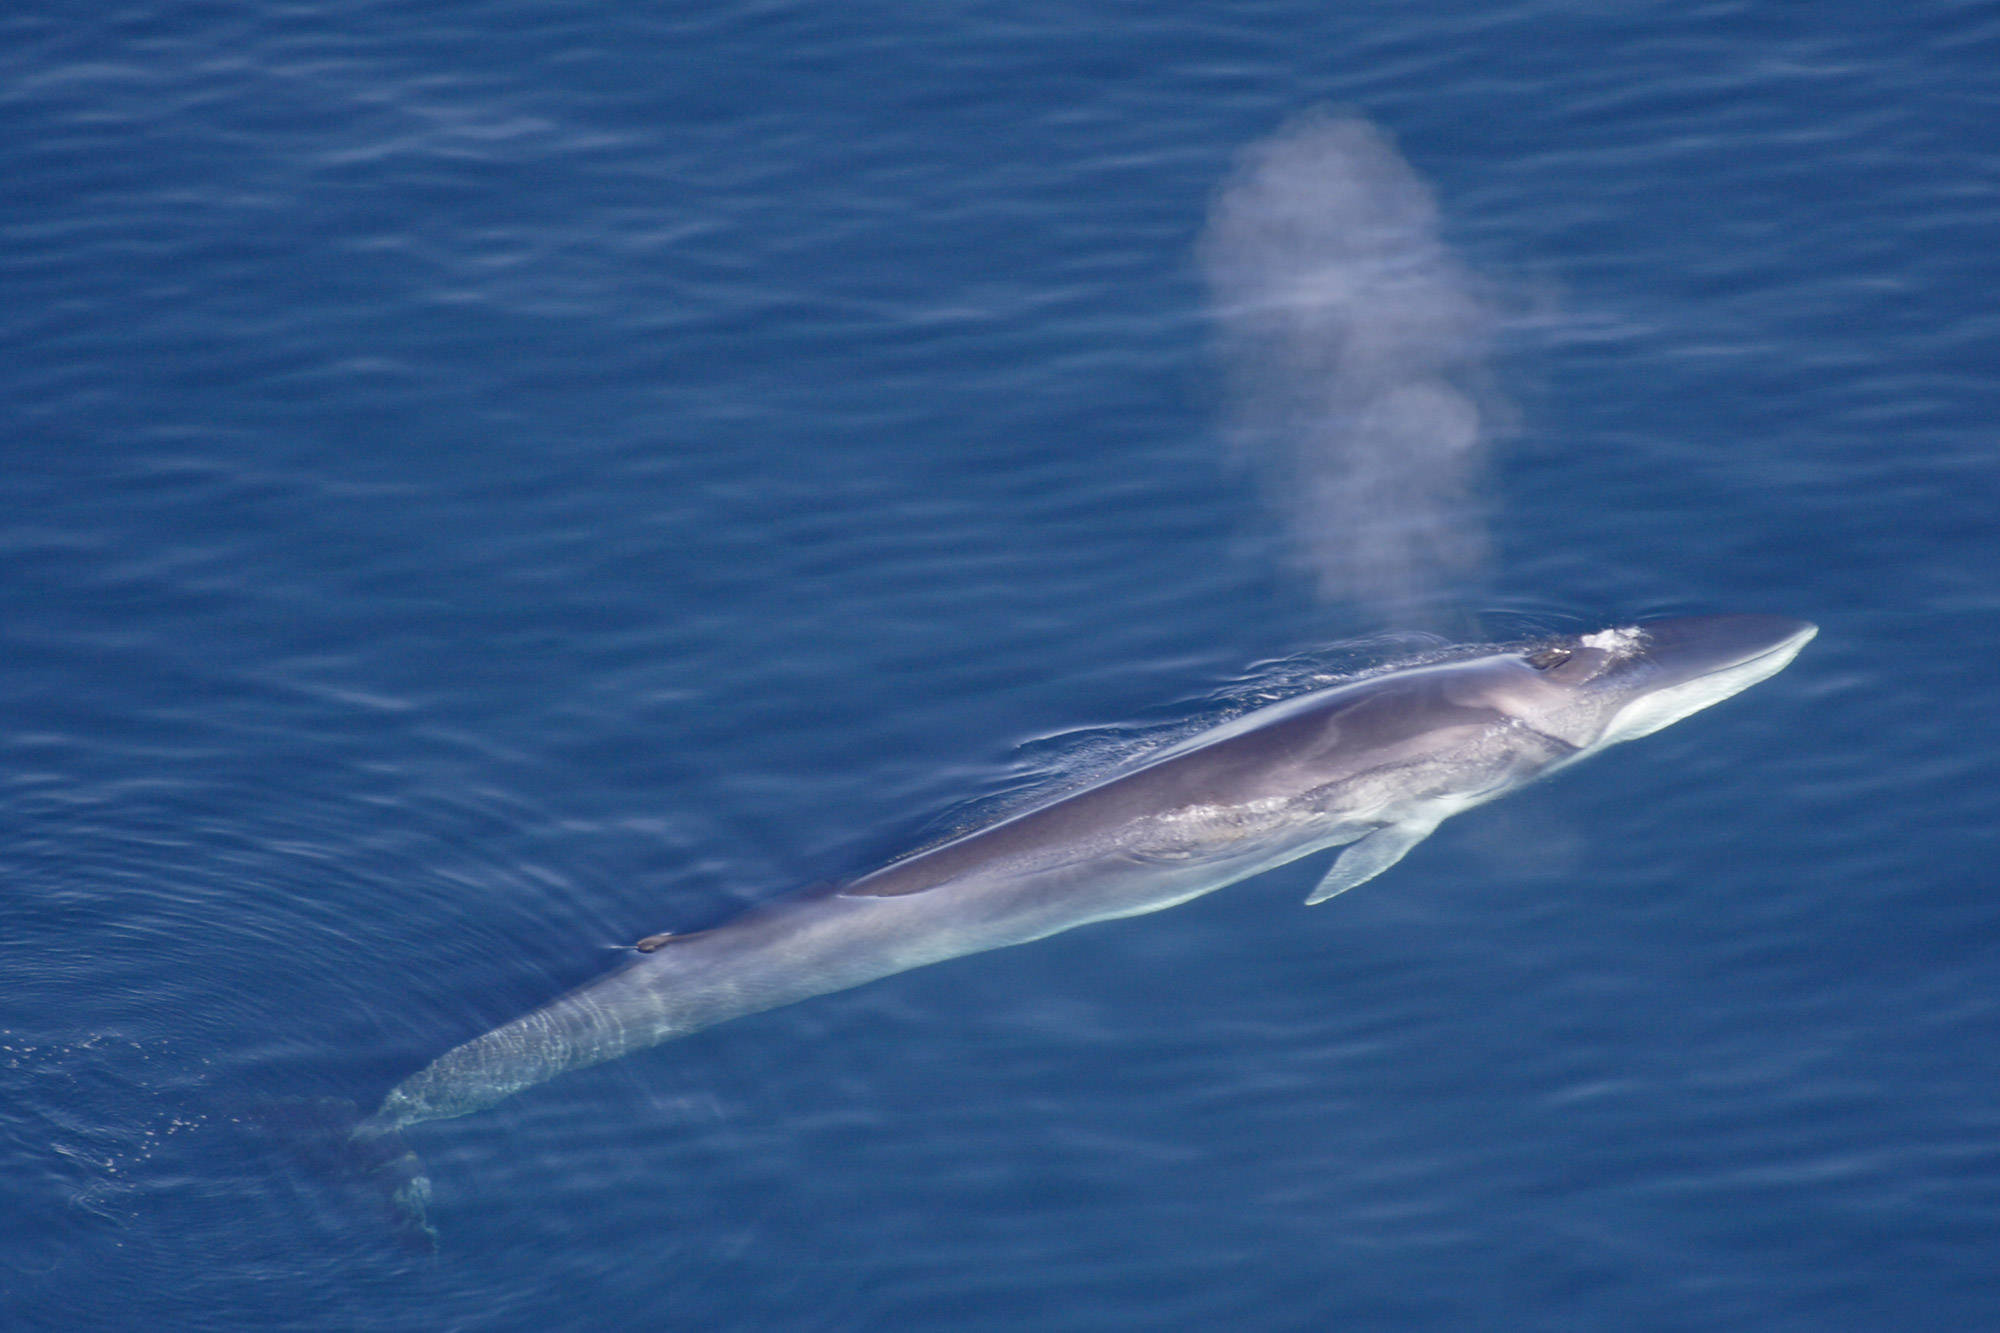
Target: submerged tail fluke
{"type": "Point", "coordinates": [367, 1160]}
{"type": "Point", "coordinates": [381, 1153]}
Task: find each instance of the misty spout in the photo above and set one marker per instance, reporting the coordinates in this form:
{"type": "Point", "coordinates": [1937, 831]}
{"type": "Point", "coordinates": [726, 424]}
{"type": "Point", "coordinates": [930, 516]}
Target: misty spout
{"type": "Point", "coordinates": [1353, 344]}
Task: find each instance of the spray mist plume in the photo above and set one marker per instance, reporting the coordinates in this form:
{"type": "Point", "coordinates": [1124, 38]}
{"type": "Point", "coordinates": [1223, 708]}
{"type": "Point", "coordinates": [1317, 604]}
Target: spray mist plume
{"type": "Point", "coordinates": [1352, 339]}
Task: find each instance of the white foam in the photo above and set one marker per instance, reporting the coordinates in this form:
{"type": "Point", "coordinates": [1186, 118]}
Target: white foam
{"type": "Point", "coordinates": [1618, 642]}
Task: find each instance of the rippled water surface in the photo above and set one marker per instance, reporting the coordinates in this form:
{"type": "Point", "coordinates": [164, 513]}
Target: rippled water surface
{"type": "Point", "coordinates": [486, 483]}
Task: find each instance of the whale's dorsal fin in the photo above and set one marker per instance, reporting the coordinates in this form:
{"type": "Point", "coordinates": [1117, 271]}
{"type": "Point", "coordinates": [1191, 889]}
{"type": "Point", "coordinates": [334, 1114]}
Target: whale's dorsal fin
{"type": "Point", "coordinates": [1369, 856]}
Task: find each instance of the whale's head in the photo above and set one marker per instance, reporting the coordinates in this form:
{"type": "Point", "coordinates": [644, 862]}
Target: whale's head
{"type": "Point", "coordinates": [1597, 689]}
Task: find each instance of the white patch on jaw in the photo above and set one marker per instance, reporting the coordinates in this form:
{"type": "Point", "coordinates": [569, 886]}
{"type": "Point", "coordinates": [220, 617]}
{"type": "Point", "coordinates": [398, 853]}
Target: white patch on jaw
{"type": "Point", "coordinates": [1617, 642]}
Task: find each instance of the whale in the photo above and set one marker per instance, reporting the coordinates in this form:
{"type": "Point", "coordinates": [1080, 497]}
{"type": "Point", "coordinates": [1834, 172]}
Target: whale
{"type": "Point", "coordinates": [1370, 765]}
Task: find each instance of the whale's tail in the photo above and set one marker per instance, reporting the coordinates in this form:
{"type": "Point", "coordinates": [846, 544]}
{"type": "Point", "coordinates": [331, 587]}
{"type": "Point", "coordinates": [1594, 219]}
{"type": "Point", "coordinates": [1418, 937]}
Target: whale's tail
{"type": "Point", "coordinates": [328, 1136]}
{"type": "Point", "coordinates": [394, 1165]}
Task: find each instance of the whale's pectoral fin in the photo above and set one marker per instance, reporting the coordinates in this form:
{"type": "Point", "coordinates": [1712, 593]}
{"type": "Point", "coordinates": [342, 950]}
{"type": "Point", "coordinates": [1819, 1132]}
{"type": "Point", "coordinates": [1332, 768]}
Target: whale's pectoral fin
{"type": "Point", "coordinates": [1370, 856]}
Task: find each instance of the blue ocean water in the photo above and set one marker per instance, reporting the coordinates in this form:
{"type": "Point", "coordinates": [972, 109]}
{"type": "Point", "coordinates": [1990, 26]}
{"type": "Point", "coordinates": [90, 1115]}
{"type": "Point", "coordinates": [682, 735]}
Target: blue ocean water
{"type": "Point", "coordinates": [484, 483]}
